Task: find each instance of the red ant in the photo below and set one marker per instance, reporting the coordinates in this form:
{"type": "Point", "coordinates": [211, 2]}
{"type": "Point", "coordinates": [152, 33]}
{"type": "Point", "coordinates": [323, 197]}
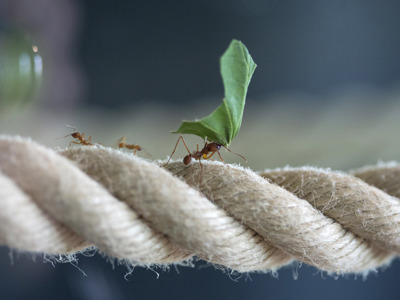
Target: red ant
{"type": "Point", "coordinates": [80, 137]}
{"type": "Point", "coordinates": [207, 152]}
{"type": "Point", "coordinates": [121, 143]}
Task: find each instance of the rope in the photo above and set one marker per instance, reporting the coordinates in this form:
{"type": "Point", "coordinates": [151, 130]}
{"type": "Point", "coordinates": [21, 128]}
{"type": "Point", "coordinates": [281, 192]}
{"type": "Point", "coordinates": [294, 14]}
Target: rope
{"type": "Point", "coordinates": [62, 202]}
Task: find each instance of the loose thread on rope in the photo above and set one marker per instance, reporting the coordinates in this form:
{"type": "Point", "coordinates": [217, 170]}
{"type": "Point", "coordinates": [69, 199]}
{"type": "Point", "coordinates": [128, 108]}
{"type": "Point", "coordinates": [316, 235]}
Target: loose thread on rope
{"type": "Point", "coordinates": [61, 202]}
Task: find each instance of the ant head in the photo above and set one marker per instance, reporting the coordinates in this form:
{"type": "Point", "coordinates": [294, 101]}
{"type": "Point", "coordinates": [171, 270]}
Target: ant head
{"type": "Point", "coordinates": [75, 135]}
{"type": "Point", "coordinates": [187, 159]}
{"type": "Point", "coordinates": [213, 147]}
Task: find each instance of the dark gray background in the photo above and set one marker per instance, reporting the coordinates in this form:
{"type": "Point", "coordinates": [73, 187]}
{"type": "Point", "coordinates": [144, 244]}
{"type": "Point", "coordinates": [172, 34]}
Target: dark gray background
{"type": "Point", "coordinates": [169, 50]}
{"type": "Point", "coordinates": [25, 279]}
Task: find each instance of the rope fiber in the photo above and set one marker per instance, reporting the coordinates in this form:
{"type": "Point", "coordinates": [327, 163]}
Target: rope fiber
{"type": "Point", "coordinates": [62, 202]}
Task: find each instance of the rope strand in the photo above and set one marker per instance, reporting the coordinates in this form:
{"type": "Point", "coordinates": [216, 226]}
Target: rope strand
{"type": "Point", "coordinates": [133, 209]}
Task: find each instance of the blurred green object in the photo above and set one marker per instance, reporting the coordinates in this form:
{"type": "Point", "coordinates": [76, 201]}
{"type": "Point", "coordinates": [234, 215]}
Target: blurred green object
{"type": "Point", "coordinates": [21, 69]}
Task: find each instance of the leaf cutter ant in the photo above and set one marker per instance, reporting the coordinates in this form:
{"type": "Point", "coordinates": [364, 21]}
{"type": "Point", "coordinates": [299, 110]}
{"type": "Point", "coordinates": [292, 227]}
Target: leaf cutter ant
{"type": "Point", "coordinates": [121, 143]}
{"type": "Point", "coordinates": [80, 137]}
{"type": "Point", "coordinates": [207, 152]}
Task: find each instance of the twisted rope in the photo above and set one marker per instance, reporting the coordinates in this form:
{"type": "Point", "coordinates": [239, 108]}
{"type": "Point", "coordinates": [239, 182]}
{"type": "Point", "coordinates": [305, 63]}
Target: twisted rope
{"type": "Point", "coordinates": [132, 209]}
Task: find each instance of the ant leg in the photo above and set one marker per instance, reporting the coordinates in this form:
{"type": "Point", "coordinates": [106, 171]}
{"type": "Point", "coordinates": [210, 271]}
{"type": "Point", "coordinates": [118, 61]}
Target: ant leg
{"type": "Point", "coordinates": [73, 142]}
{"type": "Point", "coordinates": [201, 172]}
{"type": "Point", "coordinates": [220, 157]}
{"type": "Point", "coordinates": [183, 140]}
{"type": "Point", "coordinates": [235, 153]}
{"type": "Point", "coordinates": [176, 145]}
{"type": "Point", "coordinates": [208, 157]}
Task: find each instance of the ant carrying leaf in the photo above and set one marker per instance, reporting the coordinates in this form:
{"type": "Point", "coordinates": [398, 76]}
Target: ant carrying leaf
{"type": "Point", "coordinates": [237, 68]}
{"type": "Point", "coordinates": [207, 152]}
{"type": "Point", "coordinates": [121, 143]}
{"type": "Point", "coordinates": [80, 138]}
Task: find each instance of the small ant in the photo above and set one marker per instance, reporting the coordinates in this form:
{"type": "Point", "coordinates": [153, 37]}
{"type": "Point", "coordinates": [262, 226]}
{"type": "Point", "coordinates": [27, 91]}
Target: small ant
{"type": "Point", "coordinates": [121, 143]}
{"type": "Point", "coordinates": [207, 152]}
{"type": "Point", "coordinates": [80, 137]}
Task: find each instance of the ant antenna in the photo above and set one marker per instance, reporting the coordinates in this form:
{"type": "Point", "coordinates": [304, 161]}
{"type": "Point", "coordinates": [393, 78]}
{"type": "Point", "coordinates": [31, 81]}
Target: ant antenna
{"type": "Point", "coordinates": [235, 153]}
{"type": "Point", "coordinates": [72, 127]}
{"type": "Point", "coordinates": [69, 126]}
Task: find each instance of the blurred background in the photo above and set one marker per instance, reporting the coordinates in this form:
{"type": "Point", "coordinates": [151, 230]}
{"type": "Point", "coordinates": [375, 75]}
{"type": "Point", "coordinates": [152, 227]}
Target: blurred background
{"type": "Point", "coordinates": [325, 93]}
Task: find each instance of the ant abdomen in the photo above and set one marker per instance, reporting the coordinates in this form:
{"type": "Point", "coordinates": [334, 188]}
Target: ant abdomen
{"type": "Point", "coordinates": [187, 159]}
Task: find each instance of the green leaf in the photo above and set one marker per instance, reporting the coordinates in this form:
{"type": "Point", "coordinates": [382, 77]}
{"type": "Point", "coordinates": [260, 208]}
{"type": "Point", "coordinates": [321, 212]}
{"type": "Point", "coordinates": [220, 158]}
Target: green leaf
{"type": "Point", "coordinates": [223, 124]}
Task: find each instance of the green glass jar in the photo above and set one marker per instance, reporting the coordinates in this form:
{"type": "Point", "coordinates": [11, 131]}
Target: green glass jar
{"type": "Point", "coordinates": [21, 69]}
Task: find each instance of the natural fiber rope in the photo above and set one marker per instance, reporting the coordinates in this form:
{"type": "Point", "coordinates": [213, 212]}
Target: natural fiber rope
{"type": "Point", "coordinates": [132, 209]}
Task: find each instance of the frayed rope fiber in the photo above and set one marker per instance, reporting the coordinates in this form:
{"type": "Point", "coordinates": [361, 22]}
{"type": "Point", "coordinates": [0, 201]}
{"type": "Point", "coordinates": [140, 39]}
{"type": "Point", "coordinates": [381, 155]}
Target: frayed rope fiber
{"type": "Point", "coordinates": [62, 202]}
